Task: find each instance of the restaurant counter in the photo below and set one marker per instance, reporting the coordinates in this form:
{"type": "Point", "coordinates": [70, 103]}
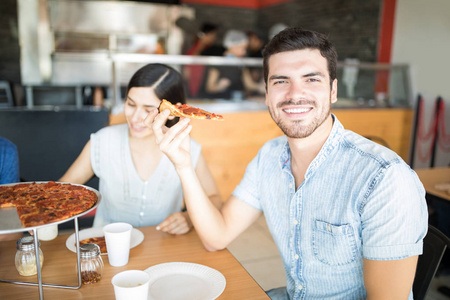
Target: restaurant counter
{"type": "Point", "coordinates": [230, 145]}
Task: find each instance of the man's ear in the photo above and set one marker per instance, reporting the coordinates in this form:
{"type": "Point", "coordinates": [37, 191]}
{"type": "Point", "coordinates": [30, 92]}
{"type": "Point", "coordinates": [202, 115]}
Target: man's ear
{"type": "Point", "coordinates": [333, 94]}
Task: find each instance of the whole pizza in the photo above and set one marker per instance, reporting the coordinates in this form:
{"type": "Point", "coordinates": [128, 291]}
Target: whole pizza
{"type": "Point", "coordinates": [43, 203]}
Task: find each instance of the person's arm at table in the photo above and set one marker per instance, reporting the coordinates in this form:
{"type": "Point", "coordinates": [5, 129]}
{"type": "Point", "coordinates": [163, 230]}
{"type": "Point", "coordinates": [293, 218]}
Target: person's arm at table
{"type": "Point", "coordinates": [216, 228]}
{"type": "Point", "coordinates": [389, 279]}
{"type": "Point", "coordinates": [81, 169]}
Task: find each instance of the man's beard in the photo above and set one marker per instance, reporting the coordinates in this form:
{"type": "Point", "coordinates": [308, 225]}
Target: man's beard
{"type": "Point", "coordinates": [294, 129]}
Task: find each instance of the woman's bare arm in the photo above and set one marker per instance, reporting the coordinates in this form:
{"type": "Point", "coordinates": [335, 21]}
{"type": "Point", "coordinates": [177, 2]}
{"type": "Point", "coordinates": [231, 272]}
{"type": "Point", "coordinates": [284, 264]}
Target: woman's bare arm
{"type": "Point", "coordinates": [81, 170]}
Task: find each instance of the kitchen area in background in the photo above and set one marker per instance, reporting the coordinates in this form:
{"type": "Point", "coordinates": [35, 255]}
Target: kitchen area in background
{"type": "Point", "coordinates": [61, 56]}
{"type": "Point", "coordinates": [68, 48]}
{"type": "Point", "coordinates": [65, 66]}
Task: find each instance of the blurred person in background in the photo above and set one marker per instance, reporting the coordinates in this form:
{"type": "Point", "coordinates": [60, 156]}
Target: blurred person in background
{"type": "Point", "coordinates": [255, 46]}
{"type": "Point", "coordinates": [9, 173]}
{"type": "Point", "coordinates": [138, 183]}
{"type": "Point", "coordinates": [230, 82]}
{"type": "Point", "coordinates": [203, 45]}
{"type": "Point", "coordinates": [205, 41]}
{"type": "Point", "coordinates": [9, 162]}
{"type": "Point", "coordinates": [275, 29]}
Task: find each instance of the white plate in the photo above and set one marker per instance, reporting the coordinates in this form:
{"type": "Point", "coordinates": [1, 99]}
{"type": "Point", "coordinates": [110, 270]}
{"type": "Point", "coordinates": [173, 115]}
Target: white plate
{"type": "Point", "coordinates": [180, 280]}
{"type": "Point", "coordinates": [136, 237]}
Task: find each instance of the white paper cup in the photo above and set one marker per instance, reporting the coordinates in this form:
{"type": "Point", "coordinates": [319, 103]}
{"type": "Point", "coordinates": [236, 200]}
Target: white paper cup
{"type": "Point", "coordinates": [47, 233]}
{"type": "Point", "coordinates": [117, 237]}
{"type": "Point", "coordinates": [132, 284]}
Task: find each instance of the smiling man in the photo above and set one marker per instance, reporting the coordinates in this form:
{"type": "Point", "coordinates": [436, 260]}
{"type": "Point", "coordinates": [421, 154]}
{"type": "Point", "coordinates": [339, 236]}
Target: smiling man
{"type": "Point", "coordinates": [348, 215]}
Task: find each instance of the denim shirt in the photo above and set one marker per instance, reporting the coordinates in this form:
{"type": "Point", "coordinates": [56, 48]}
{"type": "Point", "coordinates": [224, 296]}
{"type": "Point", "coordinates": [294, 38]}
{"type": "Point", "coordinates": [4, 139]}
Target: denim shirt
{"type": "Point", "coordinates": [358, 200]}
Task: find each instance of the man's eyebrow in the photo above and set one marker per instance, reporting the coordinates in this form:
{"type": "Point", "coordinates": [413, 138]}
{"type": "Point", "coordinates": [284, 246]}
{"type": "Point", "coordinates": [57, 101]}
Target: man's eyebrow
{"type": "Point", "coordinates": [275, 77]}
{"type": "Point", "coordinates": [312, 74]}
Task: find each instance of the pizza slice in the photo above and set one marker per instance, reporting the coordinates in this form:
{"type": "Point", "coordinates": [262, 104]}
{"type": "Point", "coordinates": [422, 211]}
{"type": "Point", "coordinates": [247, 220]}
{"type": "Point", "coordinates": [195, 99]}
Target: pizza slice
{"type": "Point", "coordinates": [187, 111]}
{"type": "Point", "coordinates": [100, 241]}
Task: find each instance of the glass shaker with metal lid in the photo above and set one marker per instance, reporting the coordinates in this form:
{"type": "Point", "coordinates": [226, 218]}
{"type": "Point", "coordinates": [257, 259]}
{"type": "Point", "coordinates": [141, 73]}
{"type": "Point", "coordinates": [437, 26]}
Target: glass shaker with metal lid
{"type": "Point", "coordinates": [91, 263]}
{"type": "Point", "coordinates": [26, 256]}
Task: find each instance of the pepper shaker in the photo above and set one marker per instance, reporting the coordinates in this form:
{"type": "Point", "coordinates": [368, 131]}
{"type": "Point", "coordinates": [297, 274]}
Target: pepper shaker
{"type": "Point", "coordinates": [91, 263]}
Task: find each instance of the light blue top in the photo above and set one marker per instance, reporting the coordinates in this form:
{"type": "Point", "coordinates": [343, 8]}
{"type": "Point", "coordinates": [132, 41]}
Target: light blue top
{"type": "Point", "coordinates": [125, 196]}
{"type": "Point", "coordinates": [358, 200]}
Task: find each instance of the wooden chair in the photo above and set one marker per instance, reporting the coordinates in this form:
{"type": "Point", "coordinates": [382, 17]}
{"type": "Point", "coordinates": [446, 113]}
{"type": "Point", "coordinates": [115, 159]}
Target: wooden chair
{"type": "Point", "coordinates": [435, 244]}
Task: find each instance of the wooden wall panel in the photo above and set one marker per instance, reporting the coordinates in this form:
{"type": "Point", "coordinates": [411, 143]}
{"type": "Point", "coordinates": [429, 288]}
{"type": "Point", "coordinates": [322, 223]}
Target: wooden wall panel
{"type": "Point", "coordinates": [230, 145]}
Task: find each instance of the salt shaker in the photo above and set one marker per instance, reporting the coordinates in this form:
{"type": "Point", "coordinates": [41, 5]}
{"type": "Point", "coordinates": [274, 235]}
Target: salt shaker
{"type": "Point", "coordinates": [91, 263]}
{"type": "Point", "coordinates": [26, 257]}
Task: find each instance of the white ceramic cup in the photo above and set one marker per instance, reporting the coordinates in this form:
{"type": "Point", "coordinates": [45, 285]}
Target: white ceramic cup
{"type": "Point", "coordinates": [117, 237]}
{"type": "Point", "coordinates": [48, 233]}
{"type": "Point", "coordinates": [131, 284]}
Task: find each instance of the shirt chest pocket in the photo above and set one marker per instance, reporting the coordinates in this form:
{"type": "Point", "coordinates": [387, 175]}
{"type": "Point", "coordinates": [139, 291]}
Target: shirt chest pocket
{"type": "Point", "coordinates": [334, 244]}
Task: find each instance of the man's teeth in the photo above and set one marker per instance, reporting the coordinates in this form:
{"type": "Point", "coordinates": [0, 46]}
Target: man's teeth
{"type": "Point", "coordinates": [297, 110]}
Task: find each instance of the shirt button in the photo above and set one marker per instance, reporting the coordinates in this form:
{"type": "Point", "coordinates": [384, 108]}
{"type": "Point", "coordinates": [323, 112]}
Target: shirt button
{"type": "Point", "coordinates": [328, 227]}
{"type": "Point", "coordinates": [300, 287]}
{"type": "Point", "coordinates": [141, 213]}
{"type": "Point", "coordinates": [296, 256]}
{"type": "Point", "coordinates": [146, 183]}
{"type": "Point", "coordinates": [295, 222]}
{"type": "Point", "coordinates": [290, 185]}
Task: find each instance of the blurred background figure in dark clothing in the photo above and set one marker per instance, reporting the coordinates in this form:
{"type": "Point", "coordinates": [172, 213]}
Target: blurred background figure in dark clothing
{"type": "Point", "coordinates": [254, 49]}
{"type": "Point", "coordinates": [230, 82]}
{"type": "Point", "coordinates": [255, 43]}
{"type": "Point", "coordinates": [205, 41]}
{"type": "Point", "coordinates": [203, 45]}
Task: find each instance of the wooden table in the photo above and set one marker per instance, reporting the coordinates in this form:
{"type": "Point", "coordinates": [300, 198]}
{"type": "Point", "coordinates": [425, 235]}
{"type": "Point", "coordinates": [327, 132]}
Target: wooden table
{"type": "Point", "coordinates": [432, 176]}
{"type": "Point", "coordinates": [157, 247]}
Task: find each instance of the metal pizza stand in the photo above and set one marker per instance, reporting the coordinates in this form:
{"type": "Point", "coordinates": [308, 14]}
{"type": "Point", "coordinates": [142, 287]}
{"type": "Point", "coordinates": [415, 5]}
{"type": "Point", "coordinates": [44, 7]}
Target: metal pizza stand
{"type": "Point", "coordinates": [10, 223]}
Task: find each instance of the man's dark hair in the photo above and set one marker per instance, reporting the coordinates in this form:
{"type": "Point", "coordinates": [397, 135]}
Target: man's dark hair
{"type": "Point", "coordinates": [291, 39]}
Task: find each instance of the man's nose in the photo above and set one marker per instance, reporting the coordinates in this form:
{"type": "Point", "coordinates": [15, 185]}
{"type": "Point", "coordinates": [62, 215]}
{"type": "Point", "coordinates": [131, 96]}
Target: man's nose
{"type": "Point", "coordinates": [296, 90]}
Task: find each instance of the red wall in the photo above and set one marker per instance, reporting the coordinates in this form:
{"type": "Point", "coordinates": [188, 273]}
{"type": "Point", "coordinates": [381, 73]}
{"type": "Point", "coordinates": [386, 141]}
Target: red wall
{"type": "Point", "coordinates": [255, 4]}
{"type": "Point", "coordinates": [385, 43]}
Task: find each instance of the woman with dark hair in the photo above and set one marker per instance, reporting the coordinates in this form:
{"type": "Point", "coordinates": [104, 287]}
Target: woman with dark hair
{"type": "Point", "coordinates": [138, 183]}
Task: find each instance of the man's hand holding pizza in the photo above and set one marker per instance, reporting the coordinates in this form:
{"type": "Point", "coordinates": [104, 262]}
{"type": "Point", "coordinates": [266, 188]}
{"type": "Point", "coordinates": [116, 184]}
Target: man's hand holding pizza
{"type": "Point", "coordinates": [173, 141]}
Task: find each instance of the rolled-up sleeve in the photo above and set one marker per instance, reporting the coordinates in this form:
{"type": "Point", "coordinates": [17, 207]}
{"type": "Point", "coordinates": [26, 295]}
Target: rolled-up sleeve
{"type": "Point", "coordinates": [394, 216]}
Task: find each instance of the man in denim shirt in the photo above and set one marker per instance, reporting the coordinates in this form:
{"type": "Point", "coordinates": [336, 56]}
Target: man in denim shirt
{"type": "Point", "coordinates": [348, 215]}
